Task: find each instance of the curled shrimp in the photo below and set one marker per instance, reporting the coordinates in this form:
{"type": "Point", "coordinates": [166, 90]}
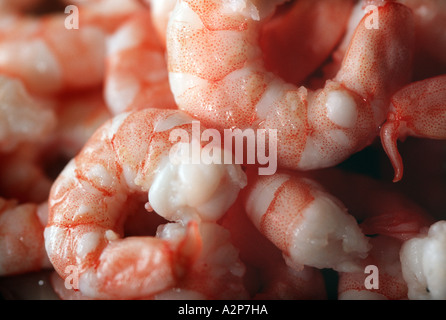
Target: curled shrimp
{"type": "Point", "coordinates": [56, 59]}
{"type": "Point", "coordinates": [126, 159]}
{"type": "Point", "coordinates": [226, 85]}
{"type": "Point", "coordinates": [136, 70]}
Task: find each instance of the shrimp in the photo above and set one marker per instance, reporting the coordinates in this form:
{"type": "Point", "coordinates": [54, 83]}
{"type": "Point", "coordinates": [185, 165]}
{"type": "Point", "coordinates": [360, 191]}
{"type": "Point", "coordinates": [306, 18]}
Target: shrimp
{"type": "Point", "coordinates": [268, 276]}
{"type": "Point", "coordinates": [108, 15]}
{"type": "Point", "coordinates": [423, 259]}
{"type": "Point", "coordinates": [419, 110]}
{"type": "Point", "coordinates": [136, 70]}
{"type": "Point", "coordinates": [310, 227]}
{"type": "Point", "coordinates": [389, 219]}
{"type": "Point", "coordinates": [129, 157]}
{"type": "Point", "coordinates": [217, 273]}
{"type": "Point", "coordinates": [23, 117]}
{"type": "Point", "coordinates": [22, 176]}
{"type": "Point", "coordinates": [307, 22]}
{"type": "Point", "coordinates": [161, 10]}
{"type": "Point", "coordinates": [430, 17]}
{"type": "Point", "coordinates": [226, 85]}
{"type": "Point", "coordinates": [21, 237]}
{"type": "Point", "coordinates": [55, 59]}
{"type": "Point", "coordinates": [28, 171]}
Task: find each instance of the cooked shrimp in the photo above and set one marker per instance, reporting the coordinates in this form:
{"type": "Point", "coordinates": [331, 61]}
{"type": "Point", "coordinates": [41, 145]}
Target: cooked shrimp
{"type": "Point", "coordinates": [419, 110]}
{"type": "Point", "coordinates": [310, 227]}
{"type": "Point", "coordinates": [299, 33]}
{"type": "Point", "coordinates": [389, 219]}
{"type": "Point", "coordinates": [108, 15]}
{"type": "Point", "coordinates": [131, 156]}
{"type": "Point", "coordinates": [226, 85]}
{"type": "Point", "coordinates": [21, 237]}
{"type": "Point", "coordinates": [161, 10]}
{"type": "Point", "coordinates": [268, 276]}
{"type": "Point", "coordinates": [136, 69]}
{"type": "Point", "coordinates": [48, 57]}
{"type": "Point", "coordinates": [28, 170]}
{"type": "Point", "coordinates": [423, 259]}
{"type": "Point", "coordinates": [23, 118]}
{"type": "Point", "coordinates": [22, 176]}
{"type": "Point", "coordinates": [430, 23]}
{"type": "Point", "coordinates": [217, 272]}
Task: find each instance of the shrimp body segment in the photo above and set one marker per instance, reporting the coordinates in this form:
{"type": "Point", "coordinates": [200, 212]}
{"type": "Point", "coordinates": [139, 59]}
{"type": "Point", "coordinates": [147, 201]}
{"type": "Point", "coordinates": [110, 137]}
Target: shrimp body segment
{"type": "Point", "coordinates": [423, 259]}
{"type": "Point", "coordinates": [51, 62]}
{"type": "Point", "coordinates": [306, 223]}
{"type": "Point", "coordinates": [227, 85]}
{"type": "Point", "coordinates": [128, 158]}
{"type": "Point", "coordinates": [136, 70]}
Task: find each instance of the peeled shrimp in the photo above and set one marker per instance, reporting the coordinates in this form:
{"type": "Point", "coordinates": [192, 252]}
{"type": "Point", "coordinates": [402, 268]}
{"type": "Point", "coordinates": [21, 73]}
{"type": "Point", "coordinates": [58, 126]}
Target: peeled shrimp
{"type": "Point", "coordinates": [226, 85]}
{"type": "Point", "coordinates": [130, 157]}
{"type": "Point", "coordinates": [389, 219]}
{"type": "Point", "coordinates": [48, 57]}
{"type": "Point", "coordinates": [23, 118]}
{"type": "Point", "coordinates": [310, 227]}
{"type": "Point", "coordinates": [21, 237]}
{"type": "Point", "coordinates": [423, 259]}
{"type": "Point", "coordinates": [136, 70]}
{"type": "Point", "coordinates": [267, 274]}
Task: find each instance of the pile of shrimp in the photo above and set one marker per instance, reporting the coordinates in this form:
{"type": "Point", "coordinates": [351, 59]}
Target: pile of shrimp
{"type": "Point", "coordinates": [100, 195]}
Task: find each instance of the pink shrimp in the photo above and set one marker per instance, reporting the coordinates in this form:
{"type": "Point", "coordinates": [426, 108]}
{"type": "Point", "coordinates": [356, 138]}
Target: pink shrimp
{"type": "Point", "coordinates": [136, 70]}
{"type": "Point", "coordinates": [21, 237]}
{"type": "Point", "coordinates": [418, 110]}
{"type": "Point", "coordinates": [127, 158]}
{"type": "Point", "coordinates": [226, 85]}
{"type": "Point", "coordinates": [310, 227]}
{"type": "Point", "coordinates": [430, 23]}
{"type": "Point", "coordinates": [56, 59]}
{"type": "Point", "coordinates": [27, 174]}
{"type": "Point", "coordinates": [108, 15]}
{"type": "Point", "coordinates": [161, 10]}
{"type": "Point", "coordinates": [23, 117]}
{"type": "Point", "coordinates": [307, 22]}
{"type": "Point", "coordinates": [28, 170]}
{"type": "Point", "coordinates": [390, 219]}
{"type": "Point", "coordinates": [268, 276]}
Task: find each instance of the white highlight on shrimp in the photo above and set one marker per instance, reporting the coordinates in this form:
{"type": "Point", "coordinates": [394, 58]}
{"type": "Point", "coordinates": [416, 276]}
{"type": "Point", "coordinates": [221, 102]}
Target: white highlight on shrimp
{"type": "Point", "coordinates": [187, 150]}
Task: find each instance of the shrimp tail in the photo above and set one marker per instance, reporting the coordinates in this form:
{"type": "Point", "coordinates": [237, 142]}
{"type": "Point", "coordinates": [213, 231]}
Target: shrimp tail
{"type": "Point", "coordinates": [416, 110]}
{"type": "Point", "coordinates": [189, 249]}
{"type": "Point", "coordinates": [389, 139]}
